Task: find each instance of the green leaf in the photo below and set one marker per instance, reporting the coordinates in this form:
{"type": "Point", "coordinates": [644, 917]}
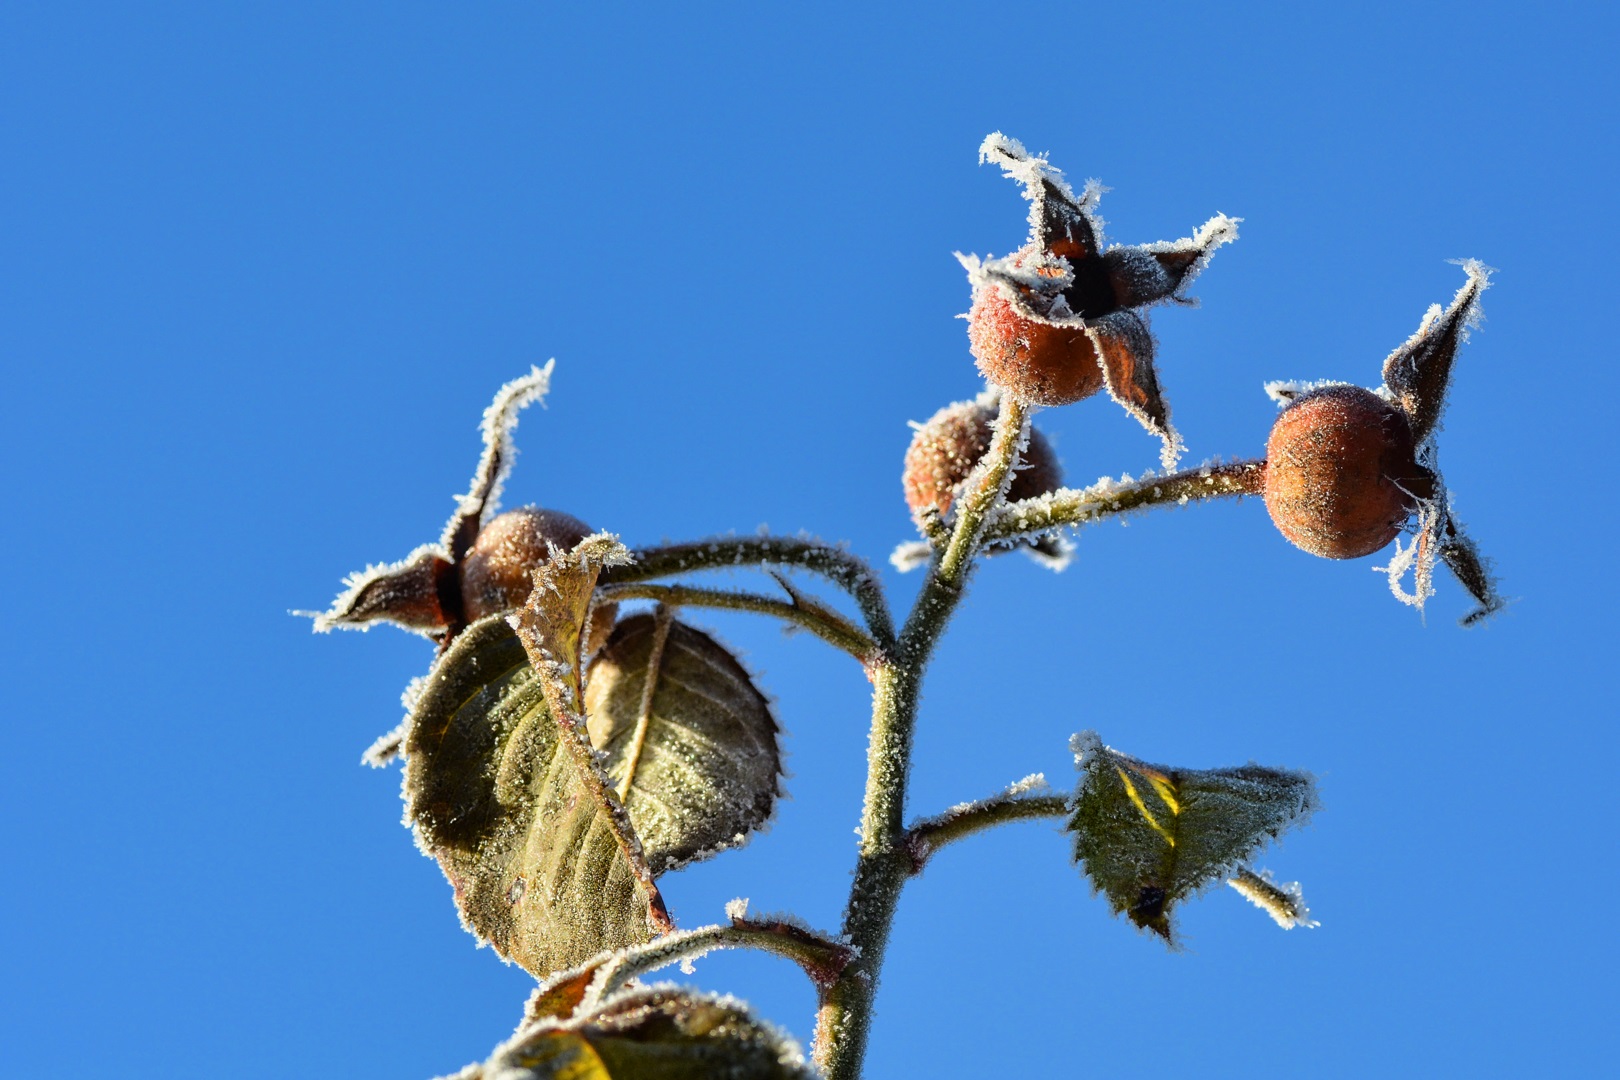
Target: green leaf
{"type": "Point", "coordinates": [538, 867]}
{"type": "Point", "coordinates": [665, 1033]}
{"type": "Point", "coordinates": [696, 761]}
{"type": "Point", "coordinates": [1148, 836]}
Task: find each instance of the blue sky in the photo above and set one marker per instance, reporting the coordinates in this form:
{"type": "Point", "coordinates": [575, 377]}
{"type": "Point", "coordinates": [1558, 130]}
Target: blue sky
{"type": "Point", "coordinates": [265, 264]}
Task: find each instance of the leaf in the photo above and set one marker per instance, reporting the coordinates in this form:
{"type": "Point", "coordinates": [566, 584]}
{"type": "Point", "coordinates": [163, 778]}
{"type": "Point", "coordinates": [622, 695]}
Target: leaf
{"type": "Point", "coordinates": [553, 623]}
{"type": "Point", "coordinates": [1148, 836]}
{"type": "Point", "coordinates": [697, 760]}
{"type": "Point", "coordinates": [538, 867]}
{"type": "Point", "coordinates": [665, 1033]}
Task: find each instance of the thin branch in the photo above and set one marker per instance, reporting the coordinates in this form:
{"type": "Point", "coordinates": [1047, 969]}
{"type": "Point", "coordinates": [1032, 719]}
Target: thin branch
{"type": "Point", "coordinates": [822, 622]}
{"type": "Point", "coordinates": [820, 957]}
{"type": "Point", "coordinates": [848, 572]}
{"type": "Point", "coordinates": [984, 489]}
{"type": "Point", "coordinates": [1021, 802]}
{"type": "Point", "coordinates": [1082, 506]}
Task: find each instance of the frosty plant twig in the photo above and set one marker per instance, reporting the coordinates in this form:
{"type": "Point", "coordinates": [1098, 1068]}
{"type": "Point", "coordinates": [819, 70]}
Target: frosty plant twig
{"type": "Point", "coordinates": [576, 739]}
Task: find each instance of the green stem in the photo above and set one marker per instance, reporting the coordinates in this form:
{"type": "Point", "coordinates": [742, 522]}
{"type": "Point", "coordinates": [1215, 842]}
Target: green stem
{"type": "Point", "coordinates": [844, 1020]}
{"type": "Point", "coordinates": [825, 623]}
{"type": "Point", "coordinates": [847, 571]}
{"type": "Point", "coordinates": [1082, 506]}
{"type": "Point", "coordinates": [930, 834]}
{"type": "Point", "coordinates": [821, 958]}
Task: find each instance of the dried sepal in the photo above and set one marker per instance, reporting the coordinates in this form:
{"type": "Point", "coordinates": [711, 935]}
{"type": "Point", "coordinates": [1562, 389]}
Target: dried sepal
{"type": "Point", "coordinates": [483, 497]}
{"type": "Point", "coordinates": [1418, 373]}
{"type": "Point", "coordinates": [430, 591]}
{"type": "Point", "coordinates": [406, 593]}
{"type": "Point", "coordinates": [687, 739]}
{"type": "Point", "coordinates": [1057, 320]}
{"type": "Point", "coordinates": [537, 863]}
{"type": "Point", "coordinates": [650, 1033]}
{"type": "Point", "coordinates": [1473, 571]}
{"type": "Point", "coordinates": [1347, 469]}
{"type": "Point", "coordinates": [1148, 836]}
{"type": "Point", "coordinates": [1125, 351]}
{"type": "Point", "coordinates": [1282, 900]}
{"type": "Point", "coordinates": [1150, 273]}
{"type": "Point", "coordinates": [1059, 222]}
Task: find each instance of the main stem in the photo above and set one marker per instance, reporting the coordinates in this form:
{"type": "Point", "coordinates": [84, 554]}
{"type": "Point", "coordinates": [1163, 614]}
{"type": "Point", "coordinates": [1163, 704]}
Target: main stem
{"type": "Point", "coordinates": [844, 1019]}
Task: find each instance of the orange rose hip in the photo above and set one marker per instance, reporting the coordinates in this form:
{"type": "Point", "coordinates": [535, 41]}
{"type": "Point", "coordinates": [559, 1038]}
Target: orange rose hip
{"type": "Point", "coordinates": [1036, 362]}
{"type": "Point", "coordinates": [1341, 472]}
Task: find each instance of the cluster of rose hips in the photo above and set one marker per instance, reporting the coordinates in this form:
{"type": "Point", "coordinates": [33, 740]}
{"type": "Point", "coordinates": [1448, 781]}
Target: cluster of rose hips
{"type": "Point", "coordinates": [1346, 469]}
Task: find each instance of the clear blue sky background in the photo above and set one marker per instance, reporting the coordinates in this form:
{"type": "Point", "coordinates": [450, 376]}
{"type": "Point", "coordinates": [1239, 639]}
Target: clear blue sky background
{"type": "Point", "coordinates": [264, 264]}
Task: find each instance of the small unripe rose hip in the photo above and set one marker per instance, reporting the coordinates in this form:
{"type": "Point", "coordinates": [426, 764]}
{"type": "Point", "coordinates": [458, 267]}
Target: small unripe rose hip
{"type": "Point", "coordinates": [945, 450]}
{"type": "Point", "coordinates": [1341, 472]}
{"type": "Point", "coordinates": [497, 573]}
{"type": "Point", "coordinates": [1037, 363]}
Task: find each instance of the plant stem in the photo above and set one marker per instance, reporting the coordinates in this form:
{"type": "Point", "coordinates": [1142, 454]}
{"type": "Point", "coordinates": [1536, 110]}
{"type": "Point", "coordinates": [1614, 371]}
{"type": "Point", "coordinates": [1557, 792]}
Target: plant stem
{"type": "Point", "coordinates": [821, 958]}
{"type": "Point", "coordinates": [844, 1020]}
{"type": "Point", "coordinates": [1081, 506]}
{"type": "Point", "coordinates": [822, 622]}
{"type": "Point", "coordinates": [889, 854]}
{"type": "Point", "coordinates": [930, 834]}
{"type": "Point", "coordinates": [848, 572]}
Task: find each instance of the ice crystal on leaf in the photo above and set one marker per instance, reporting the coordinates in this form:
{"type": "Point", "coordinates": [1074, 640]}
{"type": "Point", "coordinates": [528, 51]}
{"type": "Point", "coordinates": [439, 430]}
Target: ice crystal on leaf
{"type": "Point", "coordinates": [1149, 836]}
{"type": "Point", "coordinates": [650, 1033]}
{"type": "Point", "coordinates": [537, 862]}
{"type": "Point", "coordinates": [688, 740]}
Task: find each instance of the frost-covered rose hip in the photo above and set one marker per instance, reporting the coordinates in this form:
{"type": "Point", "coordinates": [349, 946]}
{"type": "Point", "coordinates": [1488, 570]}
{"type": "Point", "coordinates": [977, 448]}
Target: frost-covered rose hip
{"type": "Point", "coordinates": [1342, 477]}
{"type": "Point", "coordinates": [1040, 363]}
{"type": "Point", "coordinates": [498, 572]}
{"type": "Point", "coordinates": [945, 449]}
{"type": "Point", "coordinates": [1060, 318]}
{"type": "Point", "coordinates": [1347, 468]}
{"type": "Point", "coordinates": [482, 564]}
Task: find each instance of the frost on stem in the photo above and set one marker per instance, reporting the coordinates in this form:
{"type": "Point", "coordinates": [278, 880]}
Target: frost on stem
{"type": "Point", "coordinates": [1283, 901]}
{"type": "Point", "coordinates": [1149, 836]}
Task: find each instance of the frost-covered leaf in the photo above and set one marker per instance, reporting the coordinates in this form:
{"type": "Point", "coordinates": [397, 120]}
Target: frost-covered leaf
{"type": "Point", "coordinates": [1148, 836]}
{"type": "Point", "coordinates": [695, 760]}
{"type": "Point", "coordinates": [554, 622]}
{"type": "Point", "coordinates": [538, 866]}
{"type": "Point", "coordinates": [1417, 373]}
{"type": "Point", "coordinates": [662, 1033]}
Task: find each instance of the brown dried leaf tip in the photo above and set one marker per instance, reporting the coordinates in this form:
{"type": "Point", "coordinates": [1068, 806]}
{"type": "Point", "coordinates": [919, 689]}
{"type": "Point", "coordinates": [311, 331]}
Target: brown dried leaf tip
{"type": "Point", "coordinates": [482, 563]}
{"type": "Point", "coordinates": [1058, 320]}
{"type": "Point", "coordinates": [1348, 469]}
